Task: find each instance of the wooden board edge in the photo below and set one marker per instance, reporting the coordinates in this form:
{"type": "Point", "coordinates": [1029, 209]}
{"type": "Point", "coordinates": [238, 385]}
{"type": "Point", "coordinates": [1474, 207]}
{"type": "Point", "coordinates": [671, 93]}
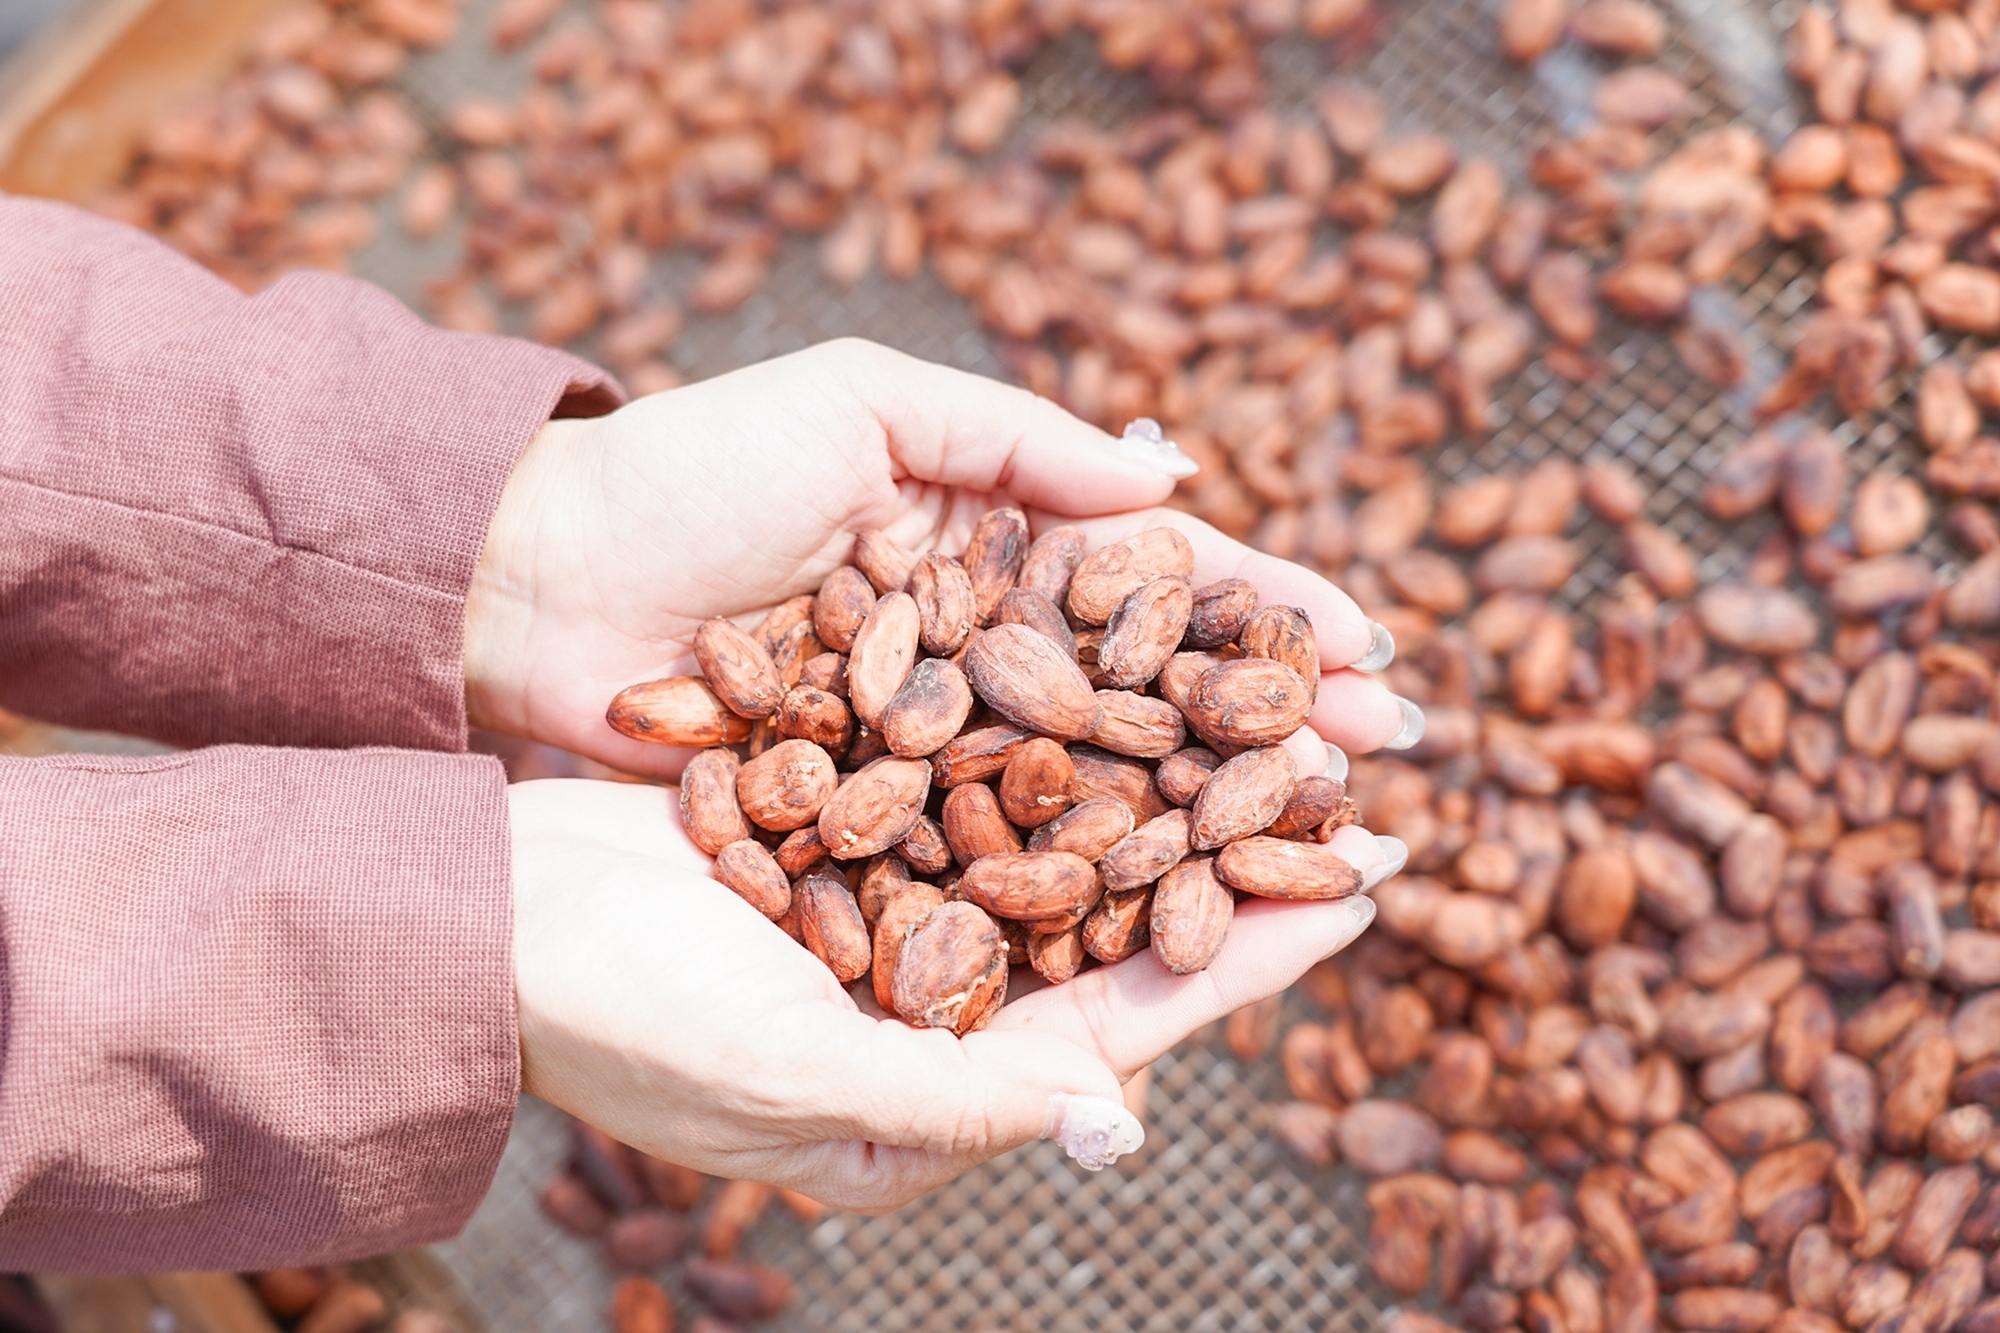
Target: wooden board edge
{"type": "Point", "coordinates": [37, 76]}
{"type": "Point", "coordinates": [80, 97]}
{"type": "Point", "coordinates": [126, 1303]}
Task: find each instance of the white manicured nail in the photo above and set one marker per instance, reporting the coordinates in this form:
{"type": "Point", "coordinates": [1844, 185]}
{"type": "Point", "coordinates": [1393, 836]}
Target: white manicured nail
{"type": "Point", "coordinates": [1360, 910]}
{"type": "Point", "coordinates": [1094, 1131]}
{"type": "Point", "coordinates": [1412, 729]}
{"type": "Point", "coordinates": [1144, 442]}
{"type": "Point", "coordinates": [1395, 855]}
{"type": "Point", "coordinates": [1336, 763]}
{"type": "Point", "coordinates": [1381, 648]}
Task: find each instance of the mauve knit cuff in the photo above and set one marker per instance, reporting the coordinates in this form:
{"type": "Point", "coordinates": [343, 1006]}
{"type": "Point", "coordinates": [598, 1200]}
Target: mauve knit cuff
{"type": "Point", "coordinates": [259, 1005]}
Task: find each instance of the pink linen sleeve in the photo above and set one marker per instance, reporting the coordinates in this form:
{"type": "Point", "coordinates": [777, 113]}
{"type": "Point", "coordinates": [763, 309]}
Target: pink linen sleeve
{"type": "Point", "coordinates": [231, 518]}
{"type": "Point", "coordinates": [256, 1005]}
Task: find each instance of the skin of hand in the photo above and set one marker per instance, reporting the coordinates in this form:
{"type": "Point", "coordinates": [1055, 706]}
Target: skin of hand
{"type": "Point", "coordinates": [615, 537]}
{"type": "Point", "coordinates": [657, 1005]}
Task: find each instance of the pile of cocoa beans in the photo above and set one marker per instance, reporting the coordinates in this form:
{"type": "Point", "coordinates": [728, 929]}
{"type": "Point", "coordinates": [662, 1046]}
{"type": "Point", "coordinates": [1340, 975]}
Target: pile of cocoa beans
{"type": "Point", "coordinates": [639, 1209]}
{"type": "Point", "coordinates": [1687, 1013]}
{"type": "Point", "coordinates": [1890, 191]}
{"type": "Point", "coordinates": [332, 1300]}
{"type": "Point", "coordinates": [960, 764]}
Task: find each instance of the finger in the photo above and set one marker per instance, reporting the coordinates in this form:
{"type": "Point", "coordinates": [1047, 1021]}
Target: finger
{"type": "Point", "coordinates": [852, 1175]}
{"type": "Point", "coordinates": [1134, 1012]}
{"type": "Point", "coordinates": [1345, 635]}
{"type": "Point", "coordinates": [1359, 713]}
{"type": "Point", "coordinates": [982, 1095]}
{"type": "Point", "coordinates": [1308, 751]}
{"type": "Point", "coordinates": [606, 816]}
{"type": "Point", "coordinates": [958, 429]}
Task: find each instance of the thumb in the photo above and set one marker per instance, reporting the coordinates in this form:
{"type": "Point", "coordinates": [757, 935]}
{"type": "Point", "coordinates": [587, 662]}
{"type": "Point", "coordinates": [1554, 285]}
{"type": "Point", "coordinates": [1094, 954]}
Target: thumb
{"type": "Point", "coordinates": [977, 1096]}
{"type": "Point", "coordinates": [954, 428]}
{"type": "Point", "coordinates": [924, 1107]}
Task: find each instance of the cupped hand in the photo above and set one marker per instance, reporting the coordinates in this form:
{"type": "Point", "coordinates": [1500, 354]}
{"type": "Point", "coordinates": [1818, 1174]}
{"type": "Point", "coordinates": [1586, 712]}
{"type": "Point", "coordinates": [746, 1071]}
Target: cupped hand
{"type": "Point", "coordinates": [657, 1005]}
{"type": "Point", "coordinates": [616, 537]}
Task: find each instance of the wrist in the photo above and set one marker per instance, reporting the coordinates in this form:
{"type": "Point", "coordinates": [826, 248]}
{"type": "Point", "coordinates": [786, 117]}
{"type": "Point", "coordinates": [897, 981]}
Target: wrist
{"type": "Point", "coordinates": [501, 601]}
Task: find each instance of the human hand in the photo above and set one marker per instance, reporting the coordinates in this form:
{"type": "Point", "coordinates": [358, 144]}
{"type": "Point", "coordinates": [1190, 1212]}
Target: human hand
{"type": "Point", "coordinates": [657, 1005]}
{"type": "Point", "coordinates": [616, 537]}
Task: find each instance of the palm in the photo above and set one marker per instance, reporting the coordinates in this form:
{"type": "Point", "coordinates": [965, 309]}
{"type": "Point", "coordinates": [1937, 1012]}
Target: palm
{"type": "Point", "coordinates": [683, 1022]}
{"type": "Point", "coordinates": [704, 510]}
{"type": "Point", "coordinates": [621, 536]}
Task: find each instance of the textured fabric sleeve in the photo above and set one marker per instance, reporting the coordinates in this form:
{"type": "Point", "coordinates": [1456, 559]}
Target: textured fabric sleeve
{"type": "Point", "coordinates": [256, 1005]}
{"type": "Point", "coordinates": [231, 518]}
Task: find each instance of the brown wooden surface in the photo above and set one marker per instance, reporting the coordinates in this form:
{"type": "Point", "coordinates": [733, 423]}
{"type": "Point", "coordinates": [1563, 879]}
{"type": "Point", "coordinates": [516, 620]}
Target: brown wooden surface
{"type": "Point", "coordinates": [198, 1303]}
{"type": "Point", "coordinates": [75, 101]}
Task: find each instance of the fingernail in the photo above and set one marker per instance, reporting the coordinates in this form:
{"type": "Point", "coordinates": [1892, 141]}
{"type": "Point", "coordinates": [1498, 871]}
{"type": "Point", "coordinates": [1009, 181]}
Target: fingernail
{"type": "Point", "coordinates": [1360, 911]}
{"type": "Point", "coordinates": [1381, 648]}
{"type": "Point", "coordinates": [1412, 729]}
{"type": "Point", "coordinates": [1395, 855]}
{"type": "Point", "coordinates": [1144, 442]}
{"type": "Point", "coordinates": [1094, 1131]}
{"type": "Point", "coordinates": [1336, 763]}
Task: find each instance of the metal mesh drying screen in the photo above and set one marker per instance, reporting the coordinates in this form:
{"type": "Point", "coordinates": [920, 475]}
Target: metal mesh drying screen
{"type": "Point", "coordinates": [1213, 1227]}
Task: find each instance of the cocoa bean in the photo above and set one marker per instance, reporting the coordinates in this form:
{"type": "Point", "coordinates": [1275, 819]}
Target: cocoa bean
{"type": "Point", "coordinates": [975, 825]}
{"type": "Point", "coordinates": [1675, 889]}
{"type": "Point", "coordinates": [1100, 773]}
{"type": "Point", "coordinates": [1241, 797]}
{"type": "Point", "coordinates": [1813, 484]}
{"type": "Point", "coordinates": [709, 808]}
{"type": "Point", "coordinates": [1802, 1036]}
{"type": "Point", "coordinates": [883, 652]}
{"type": "Point", "coordinates": [1031, 886]}
{"type": "Point", "coordinates": [994, 556]}
{"type": "Point", "coordinates": [843, 603]}
{"type": "Point", "coordinates": [1029, 681]}
{"type": "Point", "coordinates": [1144, 631]}
{"type": "Point", "coordinates": [1035, 787]}
{"type": "Point", "coordinates": [1941, 1203]}
{"type": "Point", "coordinates": [738, 669]}
{"type": "Point", "coordinates": [1277, 868]}
{"type": "Point", "coordinates": [906, 905]}
{"type": "Point", "coordinates": [1089, 829]}
{"type": "Point", "coordinates": [1284, 634]}
{"type": "Point", "coordinates": [1190, 917]}
{"type": "Point", "coordinates": [755, 877]}
{"type": "Point", "coordinates": [1219, 613]}
{"type": "Point", "coordinates": [1117, 927]}
{"type": "Point", "coordinates": [1021, 607]}
{"type": "Point", "coordinates": [810, 714]}
{"type": "Point", "coordinates": [680, 710]}
{"type": "Point", "coordinates": [1250, 701]}
{"type": "Point", "coordinates": [1309, 1130]}
{"type": "Point", "coordinates": [876, 808]}
{"type": "Point", "coordinates": [830, 925]}
{"type": "Point", "coordinates": [1384, 1138]}
{"type": "Point", "coordinates": [883, 561]}
{"type": "Point", "coordinates": [951, 970]}
{"type": "Point", "coordinates": [785, 787]}
{"type": "Point", "coordinates": [977, 755]}
{"type": "Point", "coordinates": [1529, 28]}
{"type": "Point", "coordinates": [947, 610]}
{"type": "Point", "coordinates": [1050, 562]}
{"type": "Point", "coordinates": [1698, 1025]}
{"type": "Point", "coordinates": [1056, 956]}
{"type": "Point", "coordinates": [1107, 577]}
{"type": "Point", "coordinates": [738, 1291]}
{"type": "Point", "coordinates": [1766, 621]}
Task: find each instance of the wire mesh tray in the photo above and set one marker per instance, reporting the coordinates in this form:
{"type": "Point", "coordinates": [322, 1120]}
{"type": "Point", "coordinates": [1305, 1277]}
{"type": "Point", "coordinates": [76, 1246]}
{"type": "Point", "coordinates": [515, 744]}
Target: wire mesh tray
{"type": "Point", "coordinates": [1212, 1227]}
